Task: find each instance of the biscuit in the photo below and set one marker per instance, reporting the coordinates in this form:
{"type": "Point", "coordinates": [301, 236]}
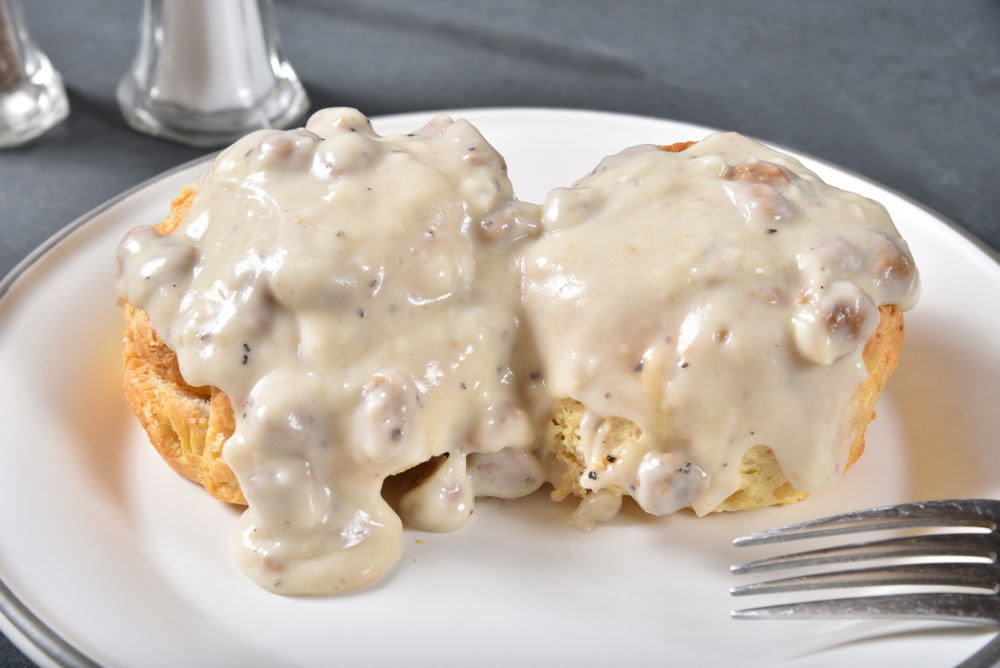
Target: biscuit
{"type": "Point", "coordinates": [187, 425]}
{"type": "Point", "coordinates": [762, 482]}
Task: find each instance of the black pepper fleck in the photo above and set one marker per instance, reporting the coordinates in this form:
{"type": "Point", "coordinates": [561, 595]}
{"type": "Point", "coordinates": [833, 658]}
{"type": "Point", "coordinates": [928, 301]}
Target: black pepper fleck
{"type": "Point", "coordinates": [592, 475]}
{"type": "Point", "coordinates": [361, 312]}
{"type": "Point", "coordinates": [611, 459]}
{"type": "Point", "coordinates": [684, 366]}
{"type": "Point", "coordinates": [771, 231]}
{"type": "Point", "coordinates": [535, 375]}
{"type": "Point", "coordinates": [463, 386]}
{"type": "Point", "coordinates": [638, 367]}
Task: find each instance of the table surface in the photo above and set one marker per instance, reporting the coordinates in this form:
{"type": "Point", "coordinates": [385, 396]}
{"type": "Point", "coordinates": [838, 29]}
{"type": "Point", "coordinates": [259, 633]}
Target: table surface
{"type": "Point", "coordinates": [905, 92]}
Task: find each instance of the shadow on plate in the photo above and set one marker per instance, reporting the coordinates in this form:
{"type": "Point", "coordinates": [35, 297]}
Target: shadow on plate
{"type": "Point", "coordinates": [947, 396]}
{"type": "Point", "coordinates": [98, 415]}
{"type": "Point", "coordinates": [868, 632]}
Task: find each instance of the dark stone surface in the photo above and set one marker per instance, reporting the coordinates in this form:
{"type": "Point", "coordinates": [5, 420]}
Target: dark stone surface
{"type": "Point", "coordinates": [11, 657]}
{"type": "Point", "coordinates": [906, 92]}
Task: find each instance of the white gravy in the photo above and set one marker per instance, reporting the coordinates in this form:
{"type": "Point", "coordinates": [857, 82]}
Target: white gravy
{"type": "Point", "coordinates": [355, 298]}
{"type": "Point", "coordinates": [719, 298]}
{"type": "Point", "coordinates": [371, 303]}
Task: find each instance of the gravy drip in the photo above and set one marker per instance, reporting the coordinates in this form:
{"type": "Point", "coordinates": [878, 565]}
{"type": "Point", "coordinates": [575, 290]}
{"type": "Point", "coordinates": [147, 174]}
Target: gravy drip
{"type": "Point", "coordinates": [355, 296]}
{"type": "Point", "coordinates": [719, 298]}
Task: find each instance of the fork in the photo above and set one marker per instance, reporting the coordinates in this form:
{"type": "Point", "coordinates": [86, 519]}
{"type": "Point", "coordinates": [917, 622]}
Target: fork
{"type": "Point", "coordinates": [981, 513]}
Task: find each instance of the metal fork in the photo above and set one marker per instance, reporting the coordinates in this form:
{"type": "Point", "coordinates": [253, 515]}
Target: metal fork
{"type": "Point", "coordinates": [982, 513]}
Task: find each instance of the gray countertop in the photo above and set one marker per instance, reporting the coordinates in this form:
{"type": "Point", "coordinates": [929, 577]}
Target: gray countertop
{"type": "Point", "coordinates": [905, 92]}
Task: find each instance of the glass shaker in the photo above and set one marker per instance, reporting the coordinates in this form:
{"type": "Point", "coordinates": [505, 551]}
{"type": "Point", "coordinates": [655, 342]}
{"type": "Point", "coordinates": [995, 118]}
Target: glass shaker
{"type": "Point", "coordinates": [32, 97]}
{"type": "Point", "coordinates": [208, 72]}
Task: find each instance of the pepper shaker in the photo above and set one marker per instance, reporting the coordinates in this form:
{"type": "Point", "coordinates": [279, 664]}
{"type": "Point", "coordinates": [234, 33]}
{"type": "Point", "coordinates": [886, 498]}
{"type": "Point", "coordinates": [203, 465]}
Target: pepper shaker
{"type": "Point", "coordinates": [32, 96]}
{"type": "Point", "coordinates": [207, 73]}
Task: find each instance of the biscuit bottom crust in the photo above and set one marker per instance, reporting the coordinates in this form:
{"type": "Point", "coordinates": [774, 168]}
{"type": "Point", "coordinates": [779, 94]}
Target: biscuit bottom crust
{"type": "Point", "coordinates": [189, 425]}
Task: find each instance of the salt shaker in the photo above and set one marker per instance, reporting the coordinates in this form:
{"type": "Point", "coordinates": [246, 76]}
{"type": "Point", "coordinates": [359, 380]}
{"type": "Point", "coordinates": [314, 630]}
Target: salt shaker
{"type": "Point", "coordinates": [207, 73]}
{"type": "Point", "coordinates": [32, 96]}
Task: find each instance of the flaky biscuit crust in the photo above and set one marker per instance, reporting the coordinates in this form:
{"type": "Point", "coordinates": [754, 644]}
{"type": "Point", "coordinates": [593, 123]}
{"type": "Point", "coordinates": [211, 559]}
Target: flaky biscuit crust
{"type": "Point", "coordinates": [187, 425]}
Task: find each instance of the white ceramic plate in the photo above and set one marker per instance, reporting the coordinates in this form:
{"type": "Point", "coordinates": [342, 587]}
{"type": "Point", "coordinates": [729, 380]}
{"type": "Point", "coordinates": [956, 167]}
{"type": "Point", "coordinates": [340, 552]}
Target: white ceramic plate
{"type": "Point", "coordinates": [104, 549]}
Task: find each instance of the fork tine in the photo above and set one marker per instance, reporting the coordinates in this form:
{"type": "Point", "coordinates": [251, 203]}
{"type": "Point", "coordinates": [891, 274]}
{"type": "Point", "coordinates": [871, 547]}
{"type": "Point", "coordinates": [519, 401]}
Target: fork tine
{"type": "Point", "coordinates": [983, 576]}
{"type": "Point", "coordinates": [922, 514]}
{"type": "Point", "coordinates": [899, 606]}
{"type": "Point", "coordinates": [958, 544]}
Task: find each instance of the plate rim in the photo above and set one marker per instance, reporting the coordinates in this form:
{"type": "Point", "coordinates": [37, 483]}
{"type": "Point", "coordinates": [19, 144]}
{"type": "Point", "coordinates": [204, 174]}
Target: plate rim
{"type": "Point", "coordinates": [59, 650]}
{"type": "Point", "coordinates": [33, 629]}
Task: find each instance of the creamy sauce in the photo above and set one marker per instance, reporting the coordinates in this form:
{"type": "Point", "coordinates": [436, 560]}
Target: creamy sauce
{"type": "Point", "coordinates": [601, 506]}
{"type": "Point", "coordinates": [355, 297]}
{"type": "Point", "coordinates": [719, 298]}
{"type": "Point", "coordinates": [373, 303]}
